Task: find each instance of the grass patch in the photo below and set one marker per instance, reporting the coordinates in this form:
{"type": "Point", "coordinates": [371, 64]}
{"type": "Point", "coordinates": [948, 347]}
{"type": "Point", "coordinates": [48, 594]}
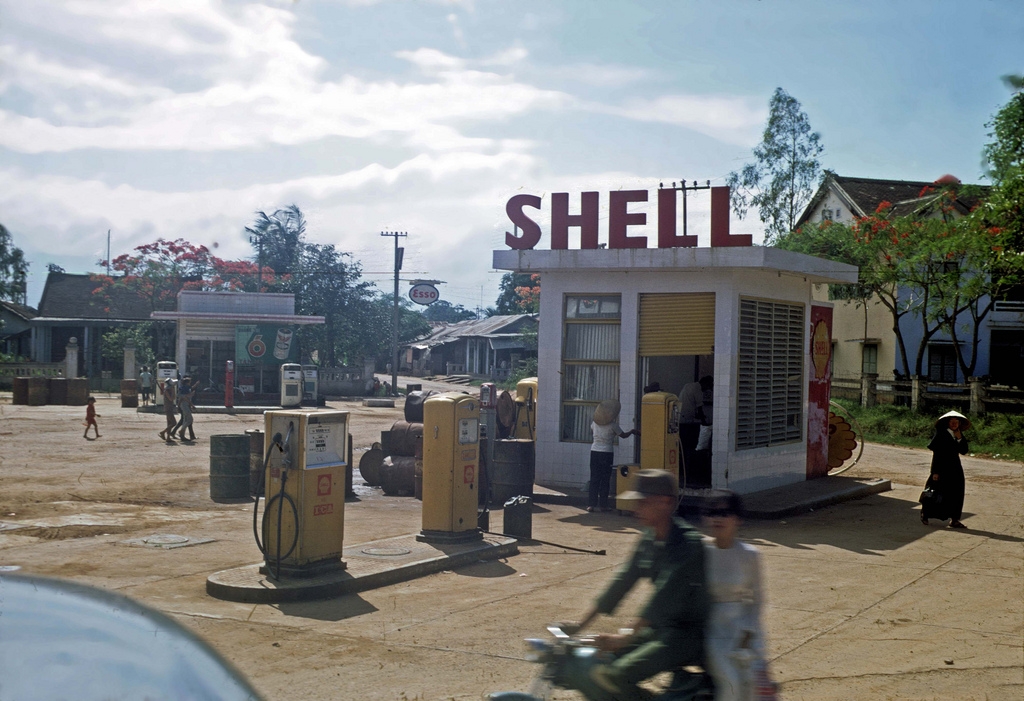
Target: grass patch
{"type": "Point", "coordinates": [996, 435]}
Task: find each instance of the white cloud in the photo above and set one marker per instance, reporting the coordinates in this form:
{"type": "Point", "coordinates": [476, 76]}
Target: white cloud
{"type": "Point", "coordinates": [734, 120]}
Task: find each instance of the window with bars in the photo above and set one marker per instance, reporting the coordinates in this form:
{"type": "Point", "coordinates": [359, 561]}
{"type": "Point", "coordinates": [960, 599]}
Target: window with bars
{"type": "Point", "coordinates": [769, 400]}
{"type": "Point", "coordinates": [942, 363]}
{"type": "Point", "coordinates": [869, 358]}
{"type": "Point", "coordinates": [590, 360]}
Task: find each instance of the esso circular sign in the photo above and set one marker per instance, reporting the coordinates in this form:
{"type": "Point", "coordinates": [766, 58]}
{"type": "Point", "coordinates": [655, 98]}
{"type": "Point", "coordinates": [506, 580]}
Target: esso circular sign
{"type": "Point", "coordinates": [424, 294]}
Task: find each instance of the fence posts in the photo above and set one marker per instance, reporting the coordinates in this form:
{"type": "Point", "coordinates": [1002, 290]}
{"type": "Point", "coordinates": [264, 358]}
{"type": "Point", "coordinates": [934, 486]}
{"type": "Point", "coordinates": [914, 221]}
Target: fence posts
{"type": "Point", "coordinates": [71, 359]}
{"type": "Point", "coordinates": [977, 396]}
{"type": "Point", "coordinates": [868, 389]}
{"type": "Point", "coordinates": [915, 392]}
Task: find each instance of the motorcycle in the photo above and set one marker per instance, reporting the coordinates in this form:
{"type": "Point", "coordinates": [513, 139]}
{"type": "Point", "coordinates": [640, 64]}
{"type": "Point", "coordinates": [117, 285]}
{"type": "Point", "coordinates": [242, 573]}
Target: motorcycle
{"type": "Point", "coordinates": [566, 663]}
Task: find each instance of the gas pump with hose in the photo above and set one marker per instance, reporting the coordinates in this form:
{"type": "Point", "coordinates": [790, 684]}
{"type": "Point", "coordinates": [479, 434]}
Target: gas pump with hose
{"type": "Point", "coordinates": [304, 471]}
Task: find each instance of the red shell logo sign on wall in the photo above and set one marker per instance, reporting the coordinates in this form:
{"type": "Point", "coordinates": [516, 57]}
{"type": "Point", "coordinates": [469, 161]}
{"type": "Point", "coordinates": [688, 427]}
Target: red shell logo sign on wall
{"type": "Point", "coordinates": [424, 293]}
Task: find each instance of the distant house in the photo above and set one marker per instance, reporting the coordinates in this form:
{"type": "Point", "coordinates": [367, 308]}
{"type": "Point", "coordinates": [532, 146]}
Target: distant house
{"type": "Point", "coordinates": [73, 305]}
{"type": "Point", "coordinates": [15, 332]}
{"type": "Point", "coordinates": [863, 337]}
{"type": "Point", "coordinates": [489, 347]}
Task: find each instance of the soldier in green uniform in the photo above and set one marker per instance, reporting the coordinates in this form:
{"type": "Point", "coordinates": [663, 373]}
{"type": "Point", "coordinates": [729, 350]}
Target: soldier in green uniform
{"type": "Point", "coordinates": [668, 635]}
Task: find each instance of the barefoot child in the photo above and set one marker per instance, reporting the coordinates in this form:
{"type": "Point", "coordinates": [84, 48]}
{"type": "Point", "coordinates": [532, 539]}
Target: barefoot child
{"type": "Point", "coordinates": [90, 417]}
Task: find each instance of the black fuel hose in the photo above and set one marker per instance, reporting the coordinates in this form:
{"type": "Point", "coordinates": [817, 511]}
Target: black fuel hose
{"type": "Point", "coordinates": [279, 497]}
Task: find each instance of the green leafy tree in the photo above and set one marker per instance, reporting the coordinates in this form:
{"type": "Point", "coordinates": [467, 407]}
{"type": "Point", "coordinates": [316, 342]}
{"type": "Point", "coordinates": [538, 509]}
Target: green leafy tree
{"type": "Point", "coordinates": [518, 293]}
{"type": "Point", "coordinates": [444, 311]}
{"type": "Point", "coordinates": [114, 341]}
{"type": "Point", "coordinates": [786, 170]}
{"type": "Point", "coordinates": [328, 283]}
{"type": "Point", "coordinates": [941, 269]}
{"type": "Point", "coordinates": [1004, 157]}
{"type": "Point", "coordinates": [13, 269]}
{"type": "Point", "coordinates": [279, 239]}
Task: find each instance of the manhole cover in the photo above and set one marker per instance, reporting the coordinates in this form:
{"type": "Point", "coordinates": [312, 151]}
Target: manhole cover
{"type": "Point", "coordinates": [165, 540]}
{"type": "Point", "coordinates": [387, 552]}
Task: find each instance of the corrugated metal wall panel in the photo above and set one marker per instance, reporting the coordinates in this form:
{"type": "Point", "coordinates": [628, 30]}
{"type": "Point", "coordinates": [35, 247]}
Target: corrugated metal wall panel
{"type": "Point", "coordinates": [203, 330]}
{"type": "Point", "coordinates": [677, 324]}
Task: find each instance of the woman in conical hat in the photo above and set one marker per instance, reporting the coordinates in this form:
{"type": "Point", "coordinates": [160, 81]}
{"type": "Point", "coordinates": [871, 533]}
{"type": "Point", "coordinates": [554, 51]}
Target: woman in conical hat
{"type": "Point", "coordinates": [946, 477]}
{"type": "Point", "coordinates": [605, 427]}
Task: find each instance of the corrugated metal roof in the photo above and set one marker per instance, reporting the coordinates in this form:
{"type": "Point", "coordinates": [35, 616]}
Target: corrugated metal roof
{"type": "Point", "coordinates": [494, 326]}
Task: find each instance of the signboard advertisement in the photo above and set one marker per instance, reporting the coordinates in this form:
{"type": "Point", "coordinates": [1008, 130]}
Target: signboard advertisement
{"type": "Point", "coordinates": [424, 293]}
{"type": "Point", "coordinates": [265, 344]}
{"type": "Point", "coordinates": [818, 390]}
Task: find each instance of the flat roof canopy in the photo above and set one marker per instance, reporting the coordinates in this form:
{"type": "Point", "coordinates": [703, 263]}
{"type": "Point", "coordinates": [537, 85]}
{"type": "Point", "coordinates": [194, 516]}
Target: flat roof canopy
{"type": "Point", "coordinates": [239, 318]}
{"type": "Point", "coordinates": [775, 260]}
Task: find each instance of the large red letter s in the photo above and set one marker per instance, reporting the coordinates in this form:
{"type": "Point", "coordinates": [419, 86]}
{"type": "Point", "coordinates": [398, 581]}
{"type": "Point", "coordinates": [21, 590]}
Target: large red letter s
{"type": "Point", "coordinates": [531, 229]}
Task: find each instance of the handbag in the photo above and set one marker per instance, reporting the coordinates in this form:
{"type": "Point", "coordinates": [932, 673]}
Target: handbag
{"type": "Point", "coordinates": [929, 497]}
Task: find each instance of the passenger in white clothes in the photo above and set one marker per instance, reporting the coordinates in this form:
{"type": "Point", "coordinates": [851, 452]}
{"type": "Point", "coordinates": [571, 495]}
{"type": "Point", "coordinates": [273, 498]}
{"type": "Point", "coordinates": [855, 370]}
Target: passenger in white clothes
{"type": "Point", "coordinates": [735, 638]}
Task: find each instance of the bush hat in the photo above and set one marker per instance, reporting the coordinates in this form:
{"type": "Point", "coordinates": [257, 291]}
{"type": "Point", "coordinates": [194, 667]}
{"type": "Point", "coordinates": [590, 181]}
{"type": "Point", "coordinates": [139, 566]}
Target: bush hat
{"type": "Point", "coordinates": [943, 421]}
{"type": "Point", "coordinates": [652, 483]}
{"type": "Point", "coordinates": [606, 412]}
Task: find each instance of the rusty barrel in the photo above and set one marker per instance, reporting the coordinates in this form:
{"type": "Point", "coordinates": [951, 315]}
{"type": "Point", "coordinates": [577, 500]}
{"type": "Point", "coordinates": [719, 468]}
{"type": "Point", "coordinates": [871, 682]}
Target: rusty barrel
{"type": "Point", "coordinates": [20, 387]}
{"type": "Point", "coordinates": [38, 391]}
{"type": "Point", "coordinates": [78, 391]}
{"type": "Point", "coordinates": [406, 439]}
{"type": "Point", "coordinates": [229, 466]}
{"type": "Point", "coordinates": [512, 472]}
{"type": "Point", "coordinates": [398, 476]}
{"type": "Point", "coordinates": [256, 457]}
{"type": "Point", "coordinates": [129, 393]}
{"type": "Point", "coordinates": [58, 390]}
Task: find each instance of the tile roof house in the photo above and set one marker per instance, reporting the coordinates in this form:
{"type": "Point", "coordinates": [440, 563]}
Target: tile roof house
{"type": "Point", "coordinates": [863, 337]}
{"type": "Point", "coordinates": [487, 347]}
{"type": "Point", "coordinates": [15, 333]}
{"type": "Point", "coordinates": [74, 305]}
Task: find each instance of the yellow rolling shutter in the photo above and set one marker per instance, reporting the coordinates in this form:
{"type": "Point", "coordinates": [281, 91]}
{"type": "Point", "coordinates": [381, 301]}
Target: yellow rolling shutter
{"type": "Point", "coordinates": [677, 324]}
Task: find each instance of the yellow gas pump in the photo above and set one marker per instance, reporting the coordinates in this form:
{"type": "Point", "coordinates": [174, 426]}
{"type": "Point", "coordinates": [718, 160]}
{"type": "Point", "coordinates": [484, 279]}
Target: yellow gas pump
{"type": "Point", "coordinates": [304, 516]}
{"type": "Point", "coordinates": [659, 432]}
{"type": "Point", "coordinates": [451, 467]}
{"type": "Point", "coordinates": [526, 409]}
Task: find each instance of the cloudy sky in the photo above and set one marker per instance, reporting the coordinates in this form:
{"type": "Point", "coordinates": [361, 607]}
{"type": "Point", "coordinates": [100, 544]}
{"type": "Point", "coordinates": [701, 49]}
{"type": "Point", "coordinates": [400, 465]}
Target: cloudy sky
{"type": "Point", "coordinates": [161, 118]}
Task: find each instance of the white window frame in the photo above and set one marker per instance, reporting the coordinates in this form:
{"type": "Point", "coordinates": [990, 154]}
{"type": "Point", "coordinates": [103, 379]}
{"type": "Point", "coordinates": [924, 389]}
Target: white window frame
{"type": "Point", "coordinates": [600, 368]}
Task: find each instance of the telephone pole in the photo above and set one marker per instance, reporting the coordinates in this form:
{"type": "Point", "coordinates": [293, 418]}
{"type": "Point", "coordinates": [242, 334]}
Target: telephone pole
{"type": "Point", "coordinates": [399, 252]}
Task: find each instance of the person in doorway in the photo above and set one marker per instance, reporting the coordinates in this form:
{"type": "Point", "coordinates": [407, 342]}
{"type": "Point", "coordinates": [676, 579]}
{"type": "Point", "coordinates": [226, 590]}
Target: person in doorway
{"type": "Point", "coordinates": [170, 398]}
{"type": "Point", "coordinates": [146, 384]}
{"type": "Point", "coordinates": [946, 477]}
{"type": "Point", "coordinates": [90, 417]}
{"type": "Point", "coordinates": [605, 428]}
{"type": "Point", "coordinates": [185, 406]}
{"type": "Point", "coordinates": [669, 633]}
{"type": "Point", "coordinates": [691, 416]}
{"type": "Point", "coordinates": [735, 640]}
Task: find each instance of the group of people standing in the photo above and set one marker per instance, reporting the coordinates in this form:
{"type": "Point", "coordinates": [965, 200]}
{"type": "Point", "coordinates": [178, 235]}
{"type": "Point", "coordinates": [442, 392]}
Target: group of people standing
{"type": "Point", "coordinates": [178, 396]}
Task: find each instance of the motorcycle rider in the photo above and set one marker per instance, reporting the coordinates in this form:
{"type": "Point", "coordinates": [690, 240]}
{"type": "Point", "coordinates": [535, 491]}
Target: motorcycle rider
{"type": "Point", "coordinates": [668, 635]}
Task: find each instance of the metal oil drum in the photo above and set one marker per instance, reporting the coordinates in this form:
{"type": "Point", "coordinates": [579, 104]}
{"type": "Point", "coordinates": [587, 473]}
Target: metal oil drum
{"type": "Point", "coordinates": [512, 472]}
{"type": "Point", "coordinates": [38, 391]}
{"type": "Point", "coordinates": [20, 387]}
{"type": "Point", "coordinates": [229, 467]}
{"type": "Point", "coordinates": [58, 390]}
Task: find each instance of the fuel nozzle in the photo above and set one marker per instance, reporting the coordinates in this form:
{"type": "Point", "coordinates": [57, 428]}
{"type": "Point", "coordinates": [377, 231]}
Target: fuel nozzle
{"type": "Point", "coordinates": [286, 446]}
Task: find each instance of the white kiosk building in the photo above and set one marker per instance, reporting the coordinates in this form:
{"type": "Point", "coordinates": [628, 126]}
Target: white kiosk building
{"type": "Point", "coordinates": [615, 320]}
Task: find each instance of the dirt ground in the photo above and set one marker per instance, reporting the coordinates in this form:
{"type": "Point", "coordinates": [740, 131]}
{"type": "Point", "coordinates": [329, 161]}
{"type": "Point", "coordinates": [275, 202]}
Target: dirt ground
{"type": "Point", "coordinates": [864, 602]}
